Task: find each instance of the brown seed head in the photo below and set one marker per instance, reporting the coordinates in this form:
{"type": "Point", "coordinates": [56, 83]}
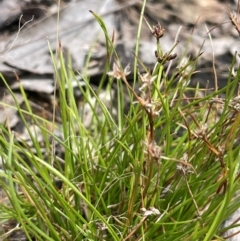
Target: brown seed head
{"type": "Point", "coordinates": [165, 58]}
{"type": "Point", "coordinates": [157, 31]}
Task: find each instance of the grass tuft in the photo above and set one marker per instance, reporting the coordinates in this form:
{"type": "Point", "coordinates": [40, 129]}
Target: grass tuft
{"type": "Point", "coordinates": [166, 170]}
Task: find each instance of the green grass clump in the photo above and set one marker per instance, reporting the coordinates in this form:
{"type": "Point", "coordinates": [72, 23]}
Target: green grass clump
{"type": "Point", "coordinates": [166, 170]}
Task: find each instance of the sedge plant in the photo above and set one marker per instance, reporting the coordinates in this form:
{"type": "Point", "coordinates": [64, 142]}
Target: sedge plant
{"type": "Point", "coordinates": [165, 170]}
